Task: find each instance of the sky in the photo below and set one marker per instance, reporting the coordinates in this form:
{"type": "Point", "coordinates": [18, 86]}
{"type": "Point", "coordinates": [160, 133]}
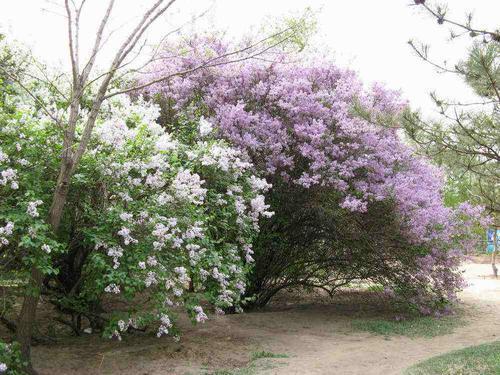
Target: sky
{"type": "Point", "coordinates": [368, 36]}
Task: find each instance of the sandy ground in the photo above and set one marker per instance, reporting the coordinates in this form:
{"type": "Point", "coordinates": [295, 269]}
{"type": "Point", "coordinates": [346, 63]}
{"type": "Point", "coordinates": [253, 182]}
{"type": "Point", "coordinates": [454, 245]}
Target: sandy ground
{"type": "Point", "coordinates": [315, 334]}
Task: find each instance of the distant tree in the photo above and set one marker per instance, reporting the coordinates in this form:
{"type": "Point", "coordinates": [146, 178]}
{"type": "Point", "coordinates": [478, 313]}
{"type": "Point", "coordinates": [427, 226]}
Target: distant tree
{"type": "Point", "coordinates": [466, 140]}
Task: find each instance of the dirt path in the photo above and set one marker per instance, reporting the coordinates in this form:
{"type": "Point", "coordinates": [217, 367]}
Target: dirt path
{"type": "Point", "coordinates": [361, 353]}
{"type": "Point", "coordinates": [318, 338]}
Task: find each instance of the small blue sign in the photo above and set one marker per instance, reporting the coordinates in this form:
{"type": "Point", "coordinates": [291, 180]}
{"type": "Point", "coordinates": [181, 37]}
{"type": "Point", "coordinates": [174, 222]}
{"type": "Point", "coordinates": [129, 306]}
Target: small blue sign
{"type": "Point", "coordinates": [490, 248]}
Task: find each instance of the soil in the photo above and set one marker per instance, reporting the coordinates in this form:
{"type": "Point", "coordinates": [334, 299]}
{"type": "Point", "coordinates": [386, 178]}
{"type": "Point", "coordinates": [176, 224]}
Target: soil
{"type": "Point", "coordinates": [313, 331]}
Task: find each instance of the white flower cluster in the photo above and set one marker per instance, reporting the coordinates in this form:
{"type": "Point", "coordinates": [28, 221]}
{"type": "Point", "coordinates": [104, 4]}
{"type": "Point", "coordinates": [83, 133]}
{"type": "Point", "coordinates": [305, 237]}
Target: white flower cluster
{"type": "Point", "coordinates": [164, 205]}
{"type": "Point", "coordinates": [187, 186]}
{"type": "Point", "coordinates": [5, 232]}
{"type": "Point", "coordinates": [4, 158]}
{"type": "Point", "coordinates": [112, 288]}
{"type": "Point", "coordinates": [259, 208]}
{"type": "Point", "coordinates": [165, 143]}
{"type": "Point", "coordinates": [113, 130]}
{"type": "Point", "coordinates": [116, 252]}
{"type": "Point", "coordinates": [123, 326]}
{"type": "Point", "coordinates": [167, 232]}
{"type": "Point", "coordinates": [226, 158]}
{"type": "Point", "coordinates": [125, 234]}
{"type": "Point", "coordinates": [204, 127]}
{"type": "Point", "coordinates": [200, 317]}
{"type": "Point", "coordinates": [259, 184]}
{"type": "Point", "coordinates": [165, 325]}
{"type": "Point", "coordinates": [32, 208]}
{"type": "Point", "coordinates": [9, 176]}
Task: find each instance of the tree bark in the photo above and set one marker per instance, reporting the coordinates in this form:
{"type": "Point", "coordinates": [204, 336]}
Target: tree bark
{"type": "Point", "coordinates": [27, 317]}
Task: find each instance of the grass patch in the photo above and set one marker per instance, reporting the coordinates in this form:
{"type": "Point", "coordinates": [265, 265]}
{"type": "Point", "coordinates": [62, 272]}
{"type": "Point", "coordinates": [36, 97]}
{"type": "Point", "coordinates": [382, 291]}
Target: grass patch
{"type": "Point", "coordinates": [421, 326]}
{"type": "Point", "coordinates": [264, 354]}
{"type": "Point", "coordinates": [14, 283]}
{"type": "Point", "coordinates": [475, 360]}
{"type": "Point", "coordinates": [254, 367]}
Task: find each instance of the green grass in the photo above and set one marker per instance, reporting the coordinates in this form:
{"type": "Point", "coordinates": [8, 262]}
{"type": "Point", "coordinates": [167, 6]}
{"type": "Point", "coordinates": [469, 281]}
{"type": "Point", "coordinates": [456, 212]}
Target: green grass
{"type": "Point", "coordinates": [475, 360]}
{"type": "Point", "coordinates": [422, 326]}
{"type": "Point", "coordinates": [264, 354]}
{"type": "Point", "coordinates": [14, 283]}
{"type": "Point", "coordinates": [254, 367]}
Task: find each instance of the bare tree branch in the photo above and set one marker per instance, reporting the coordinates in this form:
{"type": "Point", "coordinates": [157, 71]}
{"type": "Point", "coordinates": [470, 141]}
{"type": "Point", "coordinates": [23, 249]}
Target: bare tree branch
{"type": "Point", "coordinates": [211, 63]}
{"type": "Point", "coordinates": [90, 63]}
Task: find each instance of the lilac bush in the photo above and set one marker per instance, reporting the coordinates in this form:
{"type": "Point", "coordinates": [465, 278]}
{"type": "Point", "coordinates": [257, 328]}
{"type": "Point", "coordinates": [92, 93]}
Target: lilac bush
{"type": "Point", "coordinates": [315, 126]}
{"type": "Point", "coordinates": [153, 221]}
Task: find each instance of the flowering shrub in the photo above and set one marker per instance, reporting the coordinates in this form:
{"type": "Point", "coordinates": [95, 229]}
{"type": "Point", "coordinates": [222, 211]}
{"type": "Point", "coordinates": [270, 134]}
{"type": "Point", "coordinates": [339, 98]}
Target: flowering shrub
{"type": "Point", "coordinates": [10, 359]}
{"type": "Point", "coordinates": [178, 219]}
{"type": "Point", "coordinates": [28, 161]}
{"type": "Point", "coordinates": [313, 127]}
{"type": "Point", "coordinates": [149, 216]}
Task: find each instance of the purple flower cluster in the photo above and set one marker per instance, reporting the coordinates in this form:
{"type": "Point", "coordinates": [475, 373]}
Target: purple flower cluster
{"type": "Point", "coordinates": [315, 124]}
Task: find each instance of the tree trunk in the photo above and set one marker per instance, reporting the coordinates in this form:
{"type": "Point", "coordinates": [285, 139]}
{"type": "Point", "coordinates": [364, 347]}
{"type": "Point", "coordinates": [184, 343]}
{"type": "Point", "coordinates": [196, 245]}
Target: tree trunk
{"type": "Point", "coordinates": [263, 297]}
{"type": "Point", "coordinates": [27, 316]}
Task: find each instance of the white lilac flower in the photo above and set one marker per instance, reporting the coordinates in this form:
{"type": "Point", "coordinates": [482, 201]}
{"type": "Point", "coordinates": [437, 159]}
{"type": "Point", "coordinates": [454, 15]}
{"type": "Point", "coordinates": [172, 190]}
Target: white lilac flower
{"type": "Point", "coordinates": [259, 184]}
{"type": "Point", "coordinates": [165, 320]}
{"type": "Point", "coordinates": [204, 274]}
{"type": "Point", "coordinates": [248, 253]}
{"type": "Point", "coordinates": [165, 143]}
{"type": "Point", "coordinates": [9, 175]}
{"type": "Point", "coordinates": [122, 325]}
{"type": "Point", "coordinates": [46, 248]}
{"type": "Point", "coordinates": [200, 317]}
{"type": "Point", "coordinates": [240, 286]}
{"type": "Point", "coordinates": [155, 180]}
{"type": "Point", "coordinates": [116, 253]}
{"type": "Point", "coordinates": [150, 279]}
{"type": "Point", "coordinates": [7, 229]}
{"type": "Point", "coordinates": [125, 197]}
{"type": "Point", "coordinates": [164, 198]}
{"type": "Point", "coordinates": [195, 231]}
{"type": "Point", "coordinates": [151, 261]}
{"type": "Point", "coordinates": [115, 133]}
{"type": "Point", "coordinates": [127, 238]}
{"type": "Point", "coordinates": [32, 208]}
{"type": "Point", "coordinates": [112, 288]}
{"type": "Point", "coordinates": [162, 330]}
{"type": "Point", "coordinates": [205, 127]}
{"type": "Point", "coordinates": [125, 216]}
{"type": "Point", "coordinates": [187, 186]}
{"type": "Point", "coordinates": [3, 156]}
{"type": "Point", "coordinates": [182, 274]}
